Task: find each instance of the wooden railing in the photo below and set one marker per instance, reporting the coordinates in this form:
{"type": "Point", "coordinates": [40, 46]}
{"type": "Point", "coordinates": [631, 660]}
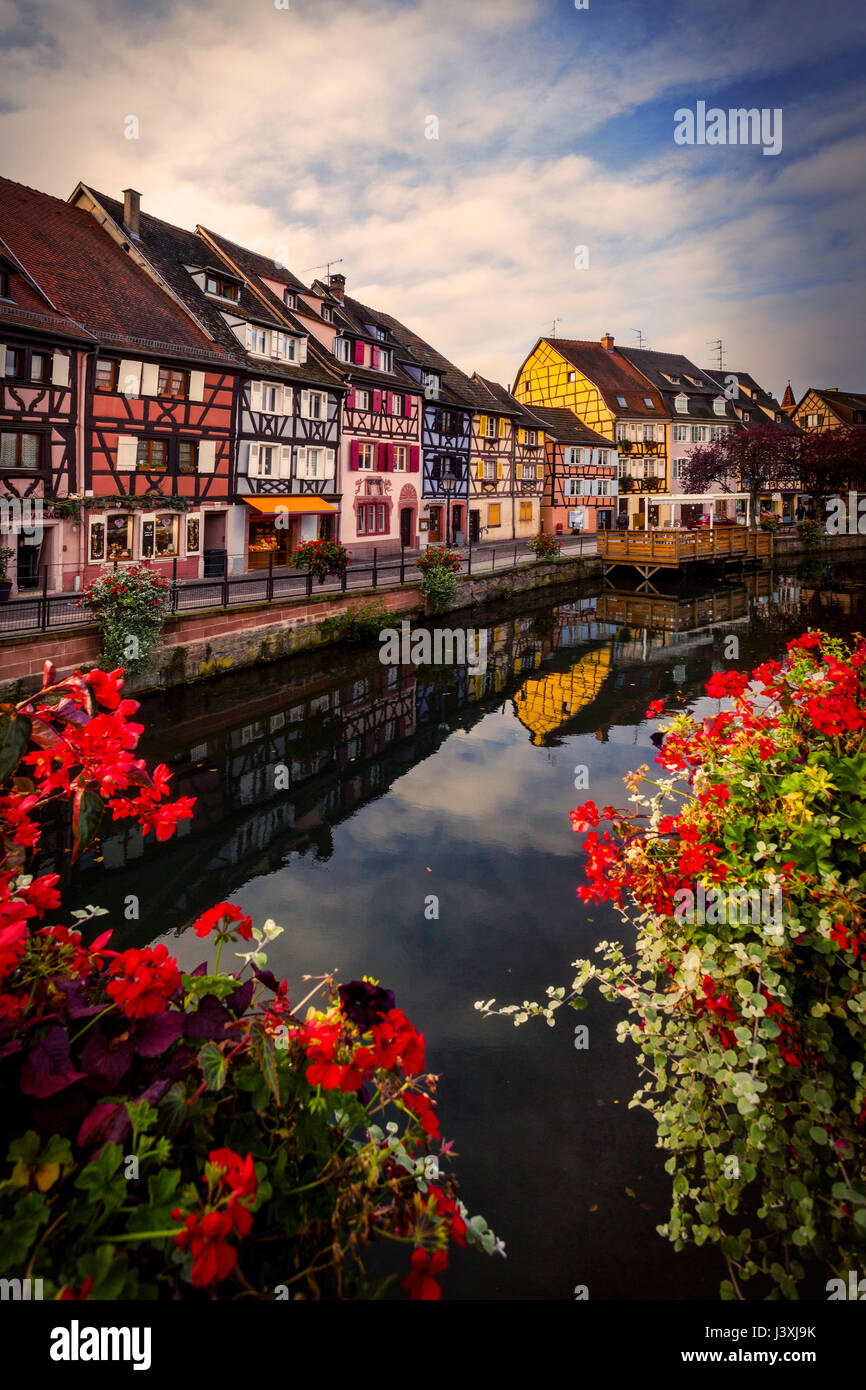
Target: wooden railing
{"type": "Point", "coordinates": [677, 547]}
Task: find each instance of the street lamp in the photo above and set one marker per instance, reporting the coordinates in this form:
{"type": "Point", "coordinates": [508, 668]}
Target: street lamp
{"type": "Point", "coordinates": [447, 485]}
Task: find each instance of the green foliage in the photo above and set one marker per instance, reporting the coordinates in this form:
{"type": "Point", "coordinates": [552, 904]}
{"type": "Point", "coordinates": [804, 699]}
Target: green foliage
{"type": "Point", "coordinates": [810, 533]}
{"type": "Point", "coordinates": [130, 605]}
{"type": "Point", "coordinates": [439, 567]}
{"type": "Point", "coordinates": [360, 623]}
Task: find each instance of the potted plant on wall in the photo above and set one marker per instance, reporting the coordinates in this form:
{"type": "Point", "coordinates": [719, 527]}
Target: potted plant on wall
{"type": "Point", "coordinates": [5, 584]}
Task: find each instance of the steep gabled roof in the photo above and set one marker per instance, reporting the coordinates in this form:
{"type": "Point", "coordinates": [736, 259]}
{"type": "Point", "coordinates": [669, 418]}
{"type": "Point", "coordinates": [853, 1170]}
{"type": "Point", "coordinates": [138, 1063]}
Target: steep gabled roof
{"type": "Point", "coordinates": [456, 388]}
{"type": "Point", "coordinates": [846, 405]}
{"type": "Point", "coordinates": [87, 276]}
{"type": "Point", "coordinates": [673, 375]}
{"type": "Point", "coordinates": [754, 394]}
{"type": "Point", "coordinates": [613, 375]}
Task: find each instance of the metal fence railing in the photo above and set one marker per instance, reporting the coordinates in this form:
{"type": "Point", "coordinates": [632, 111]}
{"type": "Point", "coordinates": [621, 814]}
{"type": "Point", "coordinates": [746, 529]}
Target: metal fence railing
{"type": "Point", "coordinates": [43, 611]}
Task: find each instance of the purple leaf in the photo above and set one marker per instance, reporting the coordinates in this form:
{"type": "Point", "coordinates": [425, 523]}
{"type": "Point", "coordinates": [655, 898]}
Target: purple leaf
{"type": "Point", "coordinates": [107, 1059]}
{"type": "Point", "coordinates": [76, 1000]}
{"type": "Point", "coordinates": [153, 1035]}
{"type": "Point", "coordinates": [48, 1068]}
{"type": "Point", "coordinates": [239, 1000]}
{"type": "Point", "coordinates": [210, 1020]}
{"type": "Point", "coordinates": [106, 1122]}
{"type": "Point", "coordinates": [267, 977]}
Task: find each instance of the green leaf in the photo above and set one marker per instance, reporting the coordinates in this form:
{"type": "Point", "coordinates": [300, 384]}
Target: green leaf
{"type": "Point", "coordinates": [213, 1065]}
{"type": "Point", "coordinates": [263, 1048]}
{"type": "Point", "coordinates": [86, 815]}
{"type": "Point", "coordinates": [200, 985]}
{"type": "Point", "coordinates": [15, 731]}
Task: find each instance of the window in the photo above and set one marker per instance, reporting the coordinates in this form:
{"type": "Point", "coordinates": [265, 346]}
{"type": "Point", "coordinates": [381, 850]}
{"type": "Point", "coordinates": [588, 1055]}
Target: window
{"type": "Point", "coordinates": [193, 535]}
{"type": "Point", "coordinates": [19, 450]}
{"type": "Point", "coordinates": [620, 400]}
{"type": "Point", "coordinates": [431, 384]}
{"type": "Point", "coordinates": [529, 472]}
{"type": "Point", "coordinates": [269, 398]}
{"type": "Point", "coordinates": [572, 376]}
{"type": "Point", "coordinates": [494, 514]}
{"type": "Point", "coordinates": [118, 537]}
{"type": "Point", "coordinates": [326, 314]}
{"type": "Point", "coordinates": [384, 359]}
{"type": "Point", "coordinates": [164, 542]}
{"type": "Point", "coordinates": [446, 423]}
{"type": "Point", "coordinates": [372, 519]}
{"type": "Point", "coordinates": [648, 402]}
{"type": "Point", "coordinates": [675, 468]}
{"type": "Point", "coordinates": [649, 433]}
{"type": "Point", "coordinates": [362, 400]}
{"type": "Point", "coordinates": [532, 438]}
{"type": "Point", "coordinates": [682, 404]}
{"type": "Point", "coordinates": [400, 458]}
{"type": "Point", "coordinates": [491, 427]}
{"type": "Point", "coordinates": [187, 456]}
{"type": "Point", "coordinates": [257, 339]}
{"type": "Point", "coordinates": [681, 433]}
{"type": "Point", "coordinates": [380, 333]}
{"type": "Point", "coordinates": [397, 405]}
{"type": "Point", "coordinates": [365, 455]}
{"type": "Point", "coordinates": [489, 470]}
{"type": "Point", "coordinates": [318, 405]}
{"type": "Point", "coordinates": [151, 455]}
{"type": "Point", "coordinates": [14, 362]}
{"type": "Point", "coordinates": [172, 382]}
{"type": "Point", "coordinates": [696, 434]}
{"type": "Point", "coordinates": [223, 289]}
{"type": "Point", "coordinates": [573, 487]}
{"type": "Point", "coordinates": [290, 299]}
{"type": "Point", "coordinates": [106, 375]}
{"type": "Point", "coordinates": [719, 405]}
{"type": "Point", "coordinates": [267, 461]}
{"type": "Point", "coordinates": [343, 350]}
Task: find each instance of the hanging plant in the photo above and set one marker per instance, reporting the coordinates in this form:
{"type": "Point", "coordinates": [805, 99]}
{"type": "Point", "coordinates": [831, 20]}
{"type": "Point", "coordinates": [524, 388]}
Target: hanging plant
{"type": "Point", "coordinates": [130, 606]}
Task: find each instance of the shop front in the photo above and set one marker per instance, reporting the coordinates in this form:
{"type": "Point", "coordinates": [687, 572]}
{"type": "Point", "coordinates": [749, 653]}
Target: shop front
{"type": "Point", "coordinates": [277, 526]}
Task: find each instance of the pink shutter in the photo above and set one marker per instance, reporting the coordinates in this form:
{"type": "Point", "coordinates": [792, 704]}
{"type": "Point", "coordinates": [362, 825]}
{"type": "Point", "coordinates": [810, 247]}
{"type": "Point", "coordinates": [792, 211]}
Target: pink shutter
{"type": "Point", "coordinates": [390, 457]}
{"type": "Point", "coordinates": [354, 449]}
{"type": "Point", "coordinates": [350, 399]}
{"type": "Point", "coordinates": [414, 453]}
{"type": "Point", "coordinates": [390, 406]}
{"type": "Point", "coordinates": [374, 357]}
{"type": "Point", "coordinates": [377, 401]}
{"type": "Point", "coordinates": [407, 405]}
{"type": "Point", "coordinates": [383, 457]}
{"type": "Point", "coordinates": [359, 352]}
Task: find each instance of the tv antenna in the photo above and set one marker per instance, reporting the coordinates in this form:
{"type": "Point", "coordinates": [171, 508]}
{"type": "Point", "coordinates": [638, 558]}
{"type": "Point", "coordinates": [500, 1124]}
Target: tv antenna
{"type": "Point", "coordinates": [641, 340]}
{"type": "Point", "coordinates": [718, 348]}
{"type": "Point", "coordinates": [326, 266]}
{"type": "Point", "coordinates": [553, 327]}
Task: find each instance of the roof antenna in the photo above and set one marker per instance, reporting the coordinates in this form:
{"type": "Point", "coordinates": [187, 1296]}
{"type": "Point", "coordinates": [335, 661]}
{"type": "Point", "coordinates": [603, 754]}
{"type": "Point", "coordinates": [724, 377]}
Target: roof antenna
{"type": "Point", "coordinates": [641, 340]}
{"type": "Point", "coordinates": [326, 266]}
{"type": "Point", "coordinates": [718, 348]}
{"type": "Point", "coordinates": [553, 327]}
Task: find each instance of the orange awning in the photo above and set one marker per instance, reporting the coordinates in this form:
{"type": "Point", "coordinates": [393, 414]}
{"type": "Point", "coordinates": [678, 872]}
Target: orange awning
{"type": "Point", "coordinates": [293, 505]}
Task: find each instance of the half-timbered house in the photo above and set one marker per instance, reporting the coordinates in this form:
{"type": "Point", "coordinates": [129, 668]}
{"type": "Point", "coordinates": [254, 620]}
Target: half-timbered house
{"type": "Point", "coordinates": [42, 360]}
{"type": "Point", "coordinates": [528, 439]}
{"type": "Point", "coordinates": [580, 487]}
{"type": "Point", "coordinates": [610, 395]}
{"type": "Point", "coordinates": [156, 397]}
{"type": "Point", "coordinates": [491, 463]}
{"type": "Point", "coordinates": [286, 411]}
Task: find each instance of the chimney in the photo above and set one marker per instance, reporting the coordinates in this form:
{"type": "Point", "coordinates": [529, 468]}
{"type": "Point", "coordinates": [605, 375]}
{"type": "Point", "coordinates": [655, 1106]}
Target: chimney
{"type": "Point", "coordinates": [607, 342]}
{"type": "Point", "coordinates": [131, 211]}
{"type": "Point", "coordinates": [337, 286]}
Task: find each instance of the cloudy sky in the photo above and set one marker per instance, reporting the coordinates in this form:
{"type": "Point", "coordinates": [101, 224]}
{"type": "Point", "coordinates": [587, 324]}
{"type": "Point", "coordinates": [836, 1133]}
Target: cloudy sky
{"type": "Point", "coordinates": [309, 128]}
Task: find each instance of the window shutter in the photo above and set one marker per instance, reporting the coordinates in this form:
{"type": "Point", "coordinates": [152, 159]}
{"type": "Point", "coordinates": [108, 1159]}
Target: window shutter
{"type": "Point", "coordinates": [499, 468]}
{"type": "Point", "coordinates": [390, 398]}
{"type": "Point", "coordinates": [407, 406]}
{"type": "Point", "coordinates": [377, 402]}
{"type": "Point", "coordinates": [502, 427]}
{"type": "Point", "coordinates": [414, 458]}
{"type": "Point", "coordinates": [518, 471]}
{"type": "Point", "coordinates": [389, 457]}
{"type": "Point", "coordinates": [305, 404]}
{"type": "Point", "coordinates": [374, 357]}
{"type": "Point", "coordinates": [2, 359]}
{"type": "Point", "coordinates": [286, 461]}
{"type": "Point", "coordinates": [541, 439]}
{"type": "Point", "coordinates": [350, 399]}
{"type": "Point", "coordinates": [521, 436]}
{"type": "Point", "coordinates": [254, 464]}
{"type": "Point", "coordinates": [59, 369]}
{"type": "Point", "coordinates": [207, 455]}
{"type": "Point", "coordinates": [482, 425]}
{"type": "Point", "coordinates": [359, 352]}
{"type": "Point", "coordinates": [329, 464]}
{"type": "Point", "coordinates": [287, 403]}
{"type": "Point", "coordinates": [354, 448]}
{"type": "Point", "coordinates": [302, 349]}
{"type": "Point", "coordinates": [129, 378]}
{"type": "Point", "coordinates": [127, 449]}
{"type": "Point", "coordinates": [196, 386]}
{"type": "Point", "coordinates": [273, 342]}
{"type": "Point", "coordinates": [382, 463]}
{"type": "Point", "coordinates": [479, 469]}
{"type": "Point", "coordinates": [149, 379]}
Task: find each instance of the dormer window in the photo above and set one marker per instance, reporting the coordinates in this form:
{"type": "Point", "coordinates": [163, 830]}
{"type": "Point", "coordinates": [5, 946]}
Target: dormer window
{"type": "Point", "coordinates": [327, 315]}
{"type": "Point", "coordinates": [682, 403]}
{"type": "Point", "coordinates": [620, 400]}
{"type": "Point", "coordinates": [343, 349]}
{"type": "Point", "coordinates": [222, 289]}
{"type": "Point", "coordinates": [648, 402]}
{"type": "Point", "coordinates": [693, 381]}
{"type": "Point", "coordinates": [431, 383]}
{"type": "Point", "coordinates": [719, 405]}
{"type": "Point", "coordinates": [290, 299]}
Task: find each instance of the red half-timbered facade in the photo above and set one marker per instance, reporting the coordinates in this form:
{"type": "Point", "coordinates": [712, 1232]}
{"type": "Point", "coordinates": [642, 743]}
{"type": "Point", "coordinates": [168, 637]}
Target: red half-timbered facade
{"type": "Point", "coordinates": [580, 491]}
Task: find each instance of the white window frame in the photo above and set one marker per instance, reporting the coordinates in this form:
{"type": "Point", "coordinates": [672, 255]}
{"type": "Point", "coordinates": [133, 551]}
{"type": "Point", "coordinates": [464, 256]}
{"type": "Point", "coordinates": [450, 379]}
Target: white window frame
{"type": "Point", "coordinates": [401, 452]}
{"type": "Point", "coordinates": [362, 453]}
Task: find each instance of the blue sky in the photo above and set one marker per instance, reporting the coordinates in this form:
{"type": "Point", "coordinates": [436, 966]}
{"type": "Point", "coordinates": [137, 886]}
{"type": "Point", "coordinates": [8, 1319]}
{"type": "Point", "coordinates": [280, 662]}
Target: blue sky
{"type": "Point", "coordinates": [305, 128]}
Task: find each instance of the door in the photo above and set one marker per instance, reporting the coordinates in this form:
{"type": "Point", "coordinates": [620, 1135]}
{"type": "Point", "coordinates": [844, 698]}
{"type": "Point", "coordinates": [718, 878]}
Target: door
{"type": "Point", "coordinates": [474, 527]}
{"type": "Point", "coordinates": [406, 526]}
{"type": "Point", "coordinates": [28, 562]}
{"type": "Point", "coordinates": [434, 535]}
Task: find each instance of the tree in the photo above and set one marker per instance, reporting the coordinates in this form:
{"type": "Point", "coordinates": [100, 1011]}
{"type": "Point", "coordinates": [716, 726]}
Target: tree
{"type": "Point", "coordinates": [831, 463]}
{"type": "Point", "coordinates": [756, 460]}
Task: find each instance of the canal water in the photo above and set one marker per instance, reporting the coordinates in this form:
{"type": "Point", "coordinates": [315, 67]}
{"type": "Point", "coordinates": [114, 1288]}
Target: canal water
{"type": "Point", "coordinates": [406, 784]}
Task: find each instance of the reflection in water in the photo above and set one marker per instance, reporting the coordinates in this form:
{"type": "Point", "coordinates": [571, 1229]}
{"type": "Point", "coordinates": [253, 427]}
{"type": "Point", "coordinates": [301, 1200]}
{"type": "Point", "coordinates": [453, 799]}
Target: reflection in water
{"type": "Point", "coordinates": [335, 794]}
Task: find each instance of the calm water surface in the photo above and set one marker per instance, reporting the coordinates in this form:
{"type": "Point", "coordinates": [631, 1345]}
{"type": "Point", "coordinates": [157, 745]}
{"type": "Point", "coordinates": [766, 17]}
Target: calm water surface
{"type": "Point", "coordinates": [409, 783]}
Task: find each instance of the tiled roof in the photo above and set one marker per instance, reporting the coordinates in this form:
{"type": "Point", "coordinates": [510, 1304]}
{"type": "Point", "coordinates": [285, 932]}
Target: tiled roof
{"type": "Point", "coordinates": [566, 427]}
{"type": "Point", "coordinates": [844, 403]}
{"type": "Point", "coordinates": [754, 394]}
{"type": "Point", "coordinates": [700, 388]}
{"type": "Point", "coordinates": [87, 276]}
{"type": "Point", "coordinates": [170, 250]}
{"type": "Point", "coordinates": [613, 375]}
